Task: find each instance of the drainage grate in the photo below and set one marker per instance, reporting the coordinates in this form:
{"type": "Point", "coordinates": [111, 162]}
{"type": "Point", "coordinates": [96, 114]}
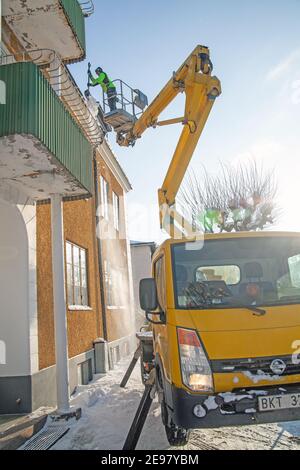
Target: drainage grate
{"type": "Point", "coordinates": [47, 438]}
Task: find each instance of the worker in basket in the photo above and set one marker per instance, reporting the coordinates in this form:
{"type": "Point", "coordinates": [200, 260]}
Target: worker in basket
{"type": "Point", "coordinates": [107, 85]}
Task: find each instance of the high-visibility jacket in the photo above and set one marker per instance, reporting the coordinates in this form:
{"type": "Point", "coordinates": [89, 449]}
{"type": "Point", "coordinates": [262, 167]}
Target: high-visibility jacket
{"type": "Point", "coordinates": [104, 81]}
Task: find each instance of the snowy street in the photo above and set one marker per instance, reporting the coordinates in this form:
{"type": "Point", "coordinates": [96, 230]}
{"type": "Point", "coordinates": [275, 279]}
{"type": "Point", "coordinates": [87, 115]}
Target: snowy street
{"type": "Point", "coordinates": [108, 411]}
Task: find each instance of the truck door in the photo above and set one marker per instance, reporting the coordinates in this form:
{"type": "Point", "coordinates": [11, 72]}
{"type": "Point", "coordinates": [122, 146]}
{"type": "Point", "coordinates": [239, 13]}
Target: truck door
{"type": "Point", "coordinates": [160, 331]}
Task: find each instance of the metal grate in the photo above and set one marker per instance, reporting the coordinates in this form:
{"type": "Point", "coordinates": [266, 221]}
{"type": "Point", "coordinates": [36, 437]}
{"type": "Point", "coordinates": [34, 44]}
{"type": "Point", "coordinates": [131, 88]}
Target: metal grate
{"type": "Point", "coordinates": [47, 438]}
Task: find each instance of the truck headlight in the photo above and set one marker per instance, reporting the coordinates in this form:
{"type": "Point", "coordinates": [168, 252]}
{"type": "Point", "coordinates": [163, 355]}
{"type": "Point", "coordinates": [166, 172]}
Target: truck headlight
{"type": "Point", "coordinates": [195, 368]}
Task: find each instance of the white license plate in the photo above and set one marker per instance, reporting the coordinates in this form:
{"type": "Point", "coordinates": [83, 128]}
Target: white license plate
{"type": "Point", "coordinates": [279, 402]}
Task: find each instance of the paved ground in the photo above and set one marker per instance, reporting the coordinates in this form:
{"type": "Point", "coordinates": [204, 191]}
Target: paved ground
{"type": "Point", "coordinates": [263, 437]}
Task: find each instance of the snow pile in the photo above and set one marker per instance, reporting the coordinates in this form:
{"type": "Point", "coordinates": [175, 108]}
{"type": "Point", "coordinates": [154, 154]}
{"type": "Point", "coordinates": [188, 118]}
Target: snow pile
{"type": "Point", "coordinates": [107, 414]}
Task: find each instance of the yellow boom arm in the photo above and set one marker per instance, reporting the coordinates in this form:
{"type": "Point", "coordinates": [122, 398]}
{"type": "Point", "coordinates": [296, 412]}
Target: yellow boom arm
{"type": "Point", "coordinates": [201, 89]}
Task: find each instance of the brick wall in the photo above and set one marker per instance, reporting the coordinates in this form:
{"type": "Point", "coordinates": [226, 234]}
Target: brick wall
{"type": "Point", "coordinates": [83, 326]}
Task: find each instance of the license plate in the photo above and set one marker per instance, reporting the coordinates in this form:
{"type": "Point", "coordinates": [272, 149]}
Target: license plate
{"type": "Point", "coordinates": [279, 402]}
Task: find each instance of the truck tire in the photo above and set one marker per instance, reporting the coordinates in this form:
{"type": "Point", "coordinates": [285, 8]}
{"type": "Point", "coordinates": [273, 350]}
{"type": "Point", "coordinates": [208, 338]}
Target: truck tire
{"type": "Point", "coordinates": [177, 437]}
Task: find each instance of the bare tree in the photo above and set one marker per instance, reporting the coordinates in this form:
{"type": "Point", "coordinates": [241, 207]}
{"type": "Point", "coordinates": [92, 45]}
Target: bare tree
{"type": "Point", "coordinates": [239, 198]}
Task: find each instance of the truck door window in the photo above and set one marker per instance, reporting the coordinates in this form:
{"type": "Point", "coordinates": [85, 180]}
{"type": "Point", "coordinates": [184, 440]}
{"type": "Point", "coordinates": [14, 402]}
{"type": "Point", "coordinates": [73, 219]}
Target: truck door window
{"type": "Point", "coordinates": [159, 271]}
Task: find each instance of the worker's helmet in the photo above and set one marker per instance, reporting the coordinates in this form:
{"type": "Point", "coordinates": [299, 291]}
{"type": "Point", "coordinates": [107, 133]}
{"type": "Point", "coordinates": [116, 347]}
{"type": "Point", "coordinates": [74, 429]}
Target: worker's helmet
{"type": "Point", "coordinates": [98, 70]}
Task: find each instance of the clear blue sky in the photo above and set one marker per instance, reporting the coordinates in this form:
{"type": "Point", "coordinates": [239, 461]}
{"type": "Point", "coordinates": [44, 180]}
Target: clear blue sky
{"type": "Point", "coordinates": [255, 48]}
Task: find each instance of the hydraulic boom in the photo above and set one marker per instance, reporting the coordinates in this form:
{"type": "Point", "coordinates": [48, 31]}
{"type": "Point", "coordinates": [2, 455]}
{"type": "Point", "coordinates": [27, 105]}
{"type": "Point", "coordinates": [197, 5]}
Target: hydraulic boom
{"type": "Point", "coordinates": [195, 79]}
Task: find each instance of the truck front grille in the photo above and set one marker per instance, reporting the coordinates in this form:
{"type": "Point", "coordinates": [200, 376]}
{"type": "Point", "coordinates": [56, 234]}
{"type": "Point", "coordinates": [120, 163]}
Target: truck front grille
{"type": "Point", "coordinates": [256, 365]}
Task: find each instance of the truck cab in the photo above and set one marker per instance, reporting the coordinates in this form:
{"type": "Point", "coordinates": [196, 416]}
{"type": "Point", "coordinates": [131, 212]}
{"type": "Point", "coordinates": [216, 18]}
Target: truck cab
{"type": "Point", "coordinates": [226, 330]}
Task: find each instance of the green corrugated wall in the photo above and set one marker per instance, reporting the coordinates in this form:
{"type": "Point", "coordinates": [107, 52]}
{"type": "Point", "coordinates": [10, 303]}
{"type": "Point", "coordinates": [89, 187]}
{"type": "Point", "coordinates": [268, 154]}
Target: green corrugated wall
{"type": "Point", "coordinates": [76, 19]}
{"type": "Point", "coordinates": [32, 107]}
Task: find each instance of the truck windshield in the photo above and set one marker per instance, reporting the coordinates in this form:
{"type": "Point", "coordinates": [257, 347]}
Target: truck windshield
{"type": "Point", "coordinates": [254, 271]}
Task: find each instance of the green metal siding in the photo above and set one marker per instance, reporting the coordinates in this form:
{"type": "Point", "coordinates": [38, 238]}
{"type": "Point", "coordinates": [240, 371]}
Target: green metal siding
{"type": "Point", "coordinates": [32, 107]}
{"type": "Point", "coordinates": [76, 19]}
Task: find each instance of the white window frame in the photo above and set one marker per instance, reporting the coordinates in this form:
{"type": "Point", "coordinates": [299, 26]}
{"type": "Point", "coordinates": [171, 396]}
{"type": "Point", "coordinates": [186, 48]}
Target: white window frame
{"type": "Point", "coordinates": [104, 195]}
{"type": "Point", "coordinates": [73, 304]}
{"type": "Point", "coordinates": [116, 211]}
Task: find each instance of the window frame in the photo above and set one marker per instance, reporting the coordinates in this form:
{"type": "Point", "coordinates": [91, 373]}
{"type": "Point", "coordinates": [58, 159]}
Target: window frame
{"type": "Point", "coordinates": [104, 197]}
{"type": "Point", "coordinates": [74, 305]}
{"type": "Point", "coordinates": [116, 210]}
{"type": "Point", "coordinates": [112, 299]}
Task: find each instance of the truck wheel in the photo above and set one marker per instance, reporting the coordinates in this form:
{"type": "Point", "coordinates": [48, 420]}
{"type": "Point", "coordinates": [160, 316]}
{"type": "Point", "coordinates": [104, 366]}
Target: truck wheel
{"type": "Point", "coordinates": [177, 437]}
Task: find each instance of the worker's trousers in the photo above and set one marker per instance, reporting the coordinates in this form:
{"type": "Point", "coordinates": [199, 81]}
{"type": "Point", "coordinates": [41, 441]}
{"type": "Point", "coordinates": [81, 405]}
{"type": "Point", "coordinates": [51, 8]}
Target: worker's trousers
{"type": "Point", "coordinates": [112, 98]}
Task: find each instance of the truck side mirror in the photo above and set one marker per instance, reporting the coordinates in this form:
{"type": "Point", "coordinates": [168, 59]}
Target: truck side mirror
{"type": "Point", "coordinates": [148, 295]}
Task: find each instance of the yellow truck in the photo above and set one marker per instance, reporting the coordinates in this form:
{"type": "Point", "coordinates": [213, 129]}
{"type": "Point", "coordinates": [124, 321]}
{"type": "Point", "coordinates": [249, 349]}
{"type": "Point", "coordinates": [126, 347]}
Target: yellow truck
{"type": "Point", "coordinates": [227, 338]}
{"type": "Point", "coordinates": [225, 307]}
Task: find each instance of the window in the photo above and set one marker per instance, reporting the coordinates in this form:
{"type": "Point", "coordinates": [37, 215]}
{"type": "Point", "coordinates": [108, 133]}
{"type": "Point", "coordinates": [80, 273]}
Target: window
{"type": "Point", "coordinates": [108, 283]}
{"type": "Point", "coordinates": [77, 285]}
{"type": "Point", "coordinates": [115, 286]}
{"type": "Point", "coordinates": [104, 192]}
{"type": "Point", "coordinates": [160, 282]}
{"type": "Point", "coordinates": [85, 372]}
{"type": "Point", "coordinates": [116, 211]}
{"type": "Point", "coordinates": [254, 270]}
{"type": "Point", "coordinates": [230, 274]}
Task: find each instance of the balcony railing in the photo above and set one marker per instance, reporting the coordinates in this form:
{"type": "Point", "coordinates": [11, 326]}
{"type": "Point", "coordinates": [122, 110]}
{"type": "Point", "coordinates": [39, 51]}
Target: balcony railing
{"type": "Point", "coordinates": [60, 79]}
{"type": "Point", "coordinates": [37, 116]}
{"type": "Point", "coordinates": [87, 7]}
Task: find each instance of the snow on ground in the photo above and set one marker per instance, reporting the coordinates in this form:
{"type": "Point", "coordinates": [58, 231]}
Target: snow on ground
{"type": "Point", "coordinates": [108, 411]}
{"type": "Point", "coordinates": [107, 414]}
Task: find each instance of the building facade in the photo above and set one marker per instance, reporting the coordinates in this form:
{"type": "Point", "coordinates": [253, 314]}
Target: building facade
{"type": "Point", "coordinates": [62, 215]}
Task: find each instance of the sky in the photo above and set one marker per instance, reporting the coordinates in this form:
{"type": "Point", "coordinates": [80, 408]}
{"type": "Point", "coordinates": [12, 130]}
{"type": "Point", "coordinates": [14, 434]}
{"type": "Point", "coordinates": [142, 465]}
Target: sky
{"type": "Point", "coordinates": [255, 49]}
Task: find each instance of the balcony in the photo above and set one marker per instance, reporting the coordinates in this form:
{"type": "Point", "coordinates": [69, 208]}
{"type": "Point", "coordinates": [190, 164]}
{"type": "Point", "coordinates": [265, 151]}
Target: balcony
{"type": "Point", "coordinates": [43, 149]}
{"type": "Point", "coordinates": [54, 24]}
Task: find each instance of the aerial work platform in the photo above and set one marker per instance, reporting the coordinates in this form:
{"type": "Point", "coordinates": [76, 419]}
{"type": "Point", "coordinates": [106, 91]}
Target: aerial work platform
{"type": "Point", "coordinates": [120, 120]}
{"type": "Point", "coordinates": [129, 104]}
